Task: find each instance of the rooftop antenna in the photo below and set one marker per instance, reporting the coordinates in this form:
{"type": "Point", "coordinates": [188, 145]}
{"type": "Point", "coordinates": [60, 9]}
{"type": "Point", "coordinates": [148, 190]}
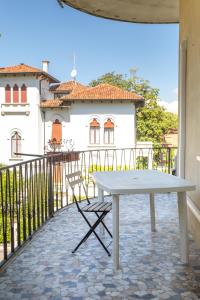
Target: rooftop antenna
{"type": "Point", "coordinates": [74, 71]}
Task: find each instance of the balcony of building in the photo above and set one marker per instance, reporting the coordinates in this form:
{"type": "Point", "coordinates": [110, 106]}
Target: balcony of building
{"type": "Point", "coordinates": [15, 109]}
{"type": "Point", "coordinates": [40, 226]}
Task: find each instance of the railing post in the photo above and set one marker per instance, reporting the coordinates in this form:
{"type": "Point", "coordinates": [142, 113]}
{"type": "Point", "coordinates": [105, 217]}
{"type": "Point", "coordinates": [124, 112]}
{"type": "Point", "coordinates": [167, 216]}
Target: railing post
{"type": "Point", "coordinates": [50, 189]}
{"type": "Point", "coordinates": [169, 160]}
{"type": "Point", "coordinates": [150, 159]}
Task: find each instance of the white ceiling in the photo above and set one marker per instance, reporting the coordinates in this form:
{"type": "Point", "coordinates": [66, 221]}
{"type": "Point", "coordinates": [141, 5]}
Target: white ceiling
{"type": "Point", "coordinates": [136, 11]}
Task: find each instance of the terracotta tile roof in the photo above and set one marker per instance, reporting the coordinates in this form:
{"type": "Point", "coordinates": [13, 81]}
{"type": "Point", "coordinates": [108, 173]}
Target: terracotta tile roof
{"type": "Point", "coordinates": [103, 92]}
{"type": "Point", "coordinates": [51, 103]}
{"type": "Point", "coordinates": [22, 68]}
{"type": "Point", "coordinates": [69, 86]}
{"type": "Point", "coordinates": [100, 92]}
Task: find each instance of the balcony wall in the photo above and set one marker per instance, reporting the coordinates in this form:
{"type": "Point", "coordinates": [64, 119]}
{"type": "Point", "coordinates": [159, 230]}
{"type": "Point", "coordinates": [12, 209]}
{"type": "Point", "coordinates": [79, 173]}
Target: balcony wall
{"type": "Point", "coordinates": [189, 31]}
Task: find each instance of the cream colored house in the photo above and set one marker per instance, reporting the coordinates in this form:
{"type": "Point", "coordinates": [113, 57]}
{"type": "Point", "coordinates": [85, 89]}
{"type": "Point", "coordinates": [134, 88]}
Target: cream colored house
{"type": "Point", "coordinates": [170, 139]}
{"type": "Point", "coordinates": [187, 14]}
{"type": "Point", "coordinates": [64, 116]}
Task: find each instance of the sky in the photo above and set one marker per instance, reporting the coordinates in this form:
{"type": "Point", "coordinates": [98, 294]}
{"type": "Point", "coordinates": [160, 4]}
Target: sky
{"type": "Point", "coordinates": [32, 31]}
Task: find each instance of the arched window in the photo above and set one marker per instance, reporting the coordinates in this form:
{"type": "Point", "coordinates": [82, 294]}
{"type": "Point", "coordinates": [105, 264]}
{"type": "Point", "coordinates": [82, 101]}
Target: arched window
{"type": "Point", "coordinates": [7, 94]}
{"type": "Point", "coordinates": [109, 132]}
{"type": "Point", "coordinates": [56, 133]}
{"type": "Point", "coordinates": [94, 132]}
{"type": "Point", "coordinates": [15, 94]}
{"type": "Point", "coordinates": [23, 94]}
{"type": "Point", "coordinates": [15, 144]}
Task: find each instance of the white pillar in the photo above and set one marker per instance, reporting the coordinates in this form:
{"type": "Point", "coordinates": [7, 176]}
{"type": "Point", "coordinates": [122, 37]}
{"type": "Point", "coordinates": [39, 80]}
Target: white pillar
{"type": "Point", "coordinates": [182, 108]}
{"type": "Point", "coordinates": [150, 159]}
{"type": "Point", "coordinates": [182, 210]}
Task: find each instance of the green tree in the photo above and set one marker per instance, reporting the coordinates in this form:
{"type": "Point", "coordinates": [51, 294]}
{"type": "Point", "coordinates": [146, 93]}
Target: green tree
{"type": "Point", "coordinates": [114, 79]}
{"type": "Point", "coordinates": [153, 121]}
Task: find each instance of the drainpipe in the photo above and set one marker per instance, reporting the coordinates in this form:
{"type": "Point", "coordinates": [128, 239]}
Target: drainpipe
{"type": "Point", "coordinates": [182, 108]}
{"type": "Point", "coordinates": [135, 127]}
{"type": "Point", "coordinates": [44, 132]}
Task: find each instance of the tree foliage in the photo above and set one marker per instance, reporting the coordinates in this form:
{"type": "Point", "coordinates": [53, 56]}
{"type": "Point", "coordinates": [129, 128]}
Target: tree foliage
{"type": "Point", "coordinates": [153, 121]}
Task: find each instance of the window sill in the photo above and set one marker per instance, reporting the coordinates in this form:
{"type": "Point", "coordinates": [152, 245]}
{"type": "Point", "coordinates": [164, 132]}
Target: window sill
{"type": "Point", "coordinates": [105, 146]}
{"type": "Point", "coordinates": [16, 159]}
{"type": "Point", "coordinates": [14, 104]}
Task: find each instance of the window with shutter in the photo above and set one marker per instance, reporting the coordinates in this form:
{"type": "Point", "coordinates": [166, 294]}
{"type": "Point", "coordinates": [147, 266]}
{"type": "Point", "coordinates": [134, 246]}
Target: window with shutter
{"type": "Point", "coordinates": [94, 132]}
{"type": "Point", "coordinates": [7, 94]}
{"type": "Point", "coordinates": [109, 132]}
{"type": "Point", "coordinates": [15, 94]}
{"type": "Point", "coordinates": [56, 134]}
{"type": "Point", "coordinates": [23, 94]}
{"type": "Point", "coordinates": [15, 144]}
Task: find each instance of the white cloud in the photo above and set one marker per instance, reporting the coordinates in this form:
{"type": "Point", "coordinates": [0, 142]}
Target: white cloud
{"type": "Point", "coordinates": [175, 91]}
{"type": "Point", "coordinates": [170, 106]}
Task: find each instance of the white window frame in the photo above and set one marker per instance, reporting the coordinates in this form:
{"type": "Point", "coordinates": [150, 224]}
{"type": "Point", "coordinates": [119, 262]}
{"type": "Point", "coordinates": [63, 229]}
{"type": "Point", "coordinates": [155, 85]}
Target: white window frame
{"type": "Point", "coordinates": [108, 136]}
{"type": "Point", "coordinates": [16, 144]}
{"type": "Point", "coordinates": [95, 139]}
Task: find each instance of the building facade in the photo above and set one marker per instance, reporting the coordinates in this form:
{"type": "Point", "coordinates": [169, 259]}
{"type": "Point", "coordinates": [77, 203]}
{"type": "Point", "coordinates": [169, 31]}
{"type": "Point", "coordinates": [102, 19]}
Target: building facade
{"type": "Point", "coordinates": [39, 114]}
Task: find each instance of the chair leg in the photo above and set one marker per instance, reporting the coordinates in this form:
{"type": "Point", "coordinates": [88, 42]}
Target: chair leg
{"type": "Point", "coordinates": [92, 230]}
{"type": "Point", "coordinates": [104, 225]}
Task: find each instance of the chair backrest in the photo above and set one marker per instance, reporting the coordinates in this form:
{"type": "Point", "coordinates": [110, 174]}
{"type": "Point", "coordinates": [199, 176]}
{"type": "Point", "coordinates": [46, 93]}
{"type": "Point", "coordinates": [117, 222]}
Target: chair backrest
{"type": "Point", "coordinates": [75, 180]}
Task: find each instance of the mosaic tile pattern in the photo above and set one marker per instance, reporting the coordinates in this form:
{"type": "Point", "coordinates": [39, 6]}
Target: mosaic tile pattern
{"type": "Point", "coordinates": [150, 262]}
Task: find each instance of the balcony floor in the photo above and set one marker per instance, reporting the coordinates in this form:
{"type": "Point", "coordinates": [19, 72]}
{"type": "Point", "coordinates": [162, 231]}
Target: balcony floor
{"type": "Point", "coordinates": [150, 262]}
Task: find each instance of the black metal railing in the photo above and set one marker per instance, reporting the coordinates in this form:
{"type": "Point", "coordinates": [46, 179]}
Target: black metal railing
{"type": "Point", "coordinates": [31, 192]}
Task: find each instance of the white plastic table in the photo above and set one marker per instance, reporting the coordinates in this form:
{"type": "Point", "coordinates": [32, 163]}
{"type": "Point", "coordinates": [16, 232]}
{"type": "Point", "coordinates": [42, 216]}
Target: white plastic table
{"type": "Point", "coordinates": [139, 182]}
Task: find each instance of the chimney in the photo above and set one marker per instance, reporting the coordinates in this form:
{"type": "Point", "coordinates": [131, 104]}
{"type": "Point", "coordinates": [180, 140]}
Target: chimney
{"type": "Point", "coordinates": [45, 66]}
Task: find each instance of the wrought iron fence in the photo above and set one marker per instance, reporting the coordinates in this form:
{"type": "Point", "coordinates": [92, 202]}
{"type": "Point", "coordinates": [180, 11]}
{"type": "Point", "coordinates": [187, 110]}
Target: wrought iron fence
{"type": "Point", "coordinates": [31, 192]}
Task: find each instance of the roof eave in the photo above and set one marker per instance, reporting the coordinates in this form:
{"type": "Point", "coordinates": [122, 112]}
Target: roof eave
{"type": "Point", "coordinates": [53, 79]}
{"type": "Point", "coordinates": [169, 12]}
{"type": "Point", "coordinates": [114, 100]}
{"type": "Point", "coordinates": [60, 91]}
{"type": "Point", "coordinates": [60, 106]}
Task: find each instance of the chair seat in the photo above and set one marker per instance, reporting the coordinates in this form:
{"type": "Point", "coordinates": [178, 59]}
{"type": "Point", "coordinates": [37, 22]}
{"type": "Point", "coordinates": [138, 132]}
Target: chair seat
{"type": "Point", "coordinates": [97, 207]}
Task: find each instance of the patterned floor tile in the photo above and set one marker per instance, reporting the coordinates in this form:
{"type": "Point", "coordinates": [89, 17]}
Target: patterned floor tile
{"type": "Point", "coordinates": [150, 262]}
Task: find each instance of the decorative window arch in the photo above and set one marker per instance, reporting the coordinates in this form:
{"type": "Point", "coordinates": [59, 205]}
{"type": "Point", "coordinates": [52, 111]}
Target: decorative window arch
{"type": "Point", "coordinates": [16, 144]}
{"type": "Point", "coordinates": [56, 132]}
{"type": "Point", "coordinates": [94, 132]}
{"type": "Point", "coordinates": [54, 116]}
{"type": "Point", "coordinates": [15, 94]}
{"type": "Point", "coordinates": [109, 132]}
{"type": "Point", "coordinates": [23, 94]}
{"type": "Point", "coordinates": [7, 94]}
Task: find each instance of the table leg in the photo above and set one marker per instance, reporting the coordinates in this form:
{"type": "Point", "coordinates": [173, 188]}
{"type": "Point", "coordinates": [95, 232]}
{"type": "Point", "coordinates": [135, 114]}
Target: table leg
{"type": "Point", "coordinates": [100, 195]}
{"type": "Point", "coordinates": [182, 210]}
{"type": "Point", "coordinates": [115, 215]}
{"type": "Point", "coordinates": [152, 213]}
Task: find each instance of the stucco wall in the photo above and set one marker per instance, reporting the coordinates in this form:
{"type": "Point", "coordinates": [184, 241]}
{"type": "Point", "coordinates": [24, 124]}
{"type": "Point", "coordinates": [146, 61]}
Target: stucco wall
{"type": "Point", "coordinates": [76, 120]}
{"type": "Point", "coordinates": [23, 118]}
{"type": "Point", "coordinates": [189, 30]}
{"type": "Point", "coordinates": [35, 128]}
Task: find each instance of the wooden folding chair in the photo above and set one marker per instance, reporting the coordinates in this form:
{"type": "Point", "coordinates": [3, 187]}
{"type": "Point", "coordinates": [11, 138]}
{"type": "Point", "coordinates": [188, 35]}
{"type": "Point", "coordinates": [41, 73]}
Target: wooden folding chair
{"type": "Point", "coordinates": [100, 209]}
